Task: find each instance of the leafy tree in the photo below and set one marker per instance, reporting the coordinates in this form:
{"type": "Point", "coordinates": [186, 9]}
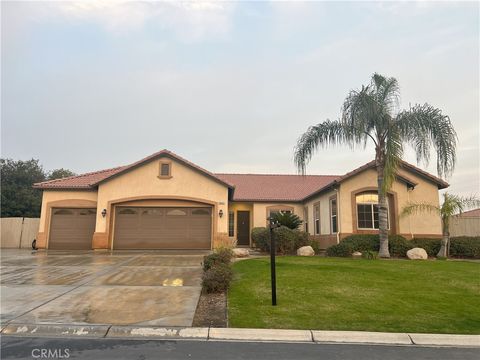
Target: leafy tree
{"type": "Point", "coordinates": [18, 196]}
{"type": "Point", "coordinates": [372, 114]}
{"type": "Point", "coordinates": [60, 174]}
{"type": "Point", "coordinates": [287, 219]}
{"type": "Point", "coordinates": [19, 199]}
{"type": "Point", "coordinates": [452, 205]}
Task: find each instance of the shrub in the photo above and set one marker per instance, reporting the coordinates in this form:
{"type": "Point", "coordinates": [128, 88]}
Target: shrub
{"type": "Point", "coordinates": [315, 246]}
{"type": "Point", "coordinates": [217, 278]}
{"type": "Point", "coordinates": [261, 238]}
{"type": "Point", "coordinates": [370, 255]}
{"type": "Point", "coordinates": [287, 241]}
{"type": "Point", "coordinates": [431, 246]}
{"type": "Point", "coordinates": [287, 219]}
{"type": "Point", "coordinates": [464, 246]}
{"type": "Point", "coordinates": [342, 249]}
{"type": "Point", "coordinates": [221, 256]}
{"type": "Point", "coordinates": [397, 245]}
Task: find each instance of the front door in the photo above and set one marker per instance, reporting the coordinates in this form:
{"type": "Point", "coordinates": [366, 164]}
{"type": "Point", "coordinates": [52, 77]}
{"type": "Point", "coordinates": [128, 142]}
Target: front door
{"type": "Point", "coordinates": [243, 228]}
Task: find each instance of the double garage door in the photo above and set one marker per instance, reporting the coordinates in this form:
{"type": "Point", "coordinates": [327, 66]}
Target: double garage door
{"type": "Point", "coordinates": [162, 228]}
{"type": "Point", "coordinates": [135, 228]}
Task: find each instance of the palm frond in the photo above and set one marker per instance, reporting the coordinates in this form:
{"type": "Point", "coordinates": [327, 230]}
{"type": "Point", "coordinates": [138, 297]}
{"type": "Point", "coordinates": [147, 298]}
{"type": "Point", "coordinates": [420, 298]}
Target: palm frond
{"type": "Point", "coordinates": [419, 207]}
{"type": "Point", "coordinates": [423, 126]}
{"type": "Point", "coordinates": [321, 135]}
{"type": "Point", "coordinates": [455, 204]}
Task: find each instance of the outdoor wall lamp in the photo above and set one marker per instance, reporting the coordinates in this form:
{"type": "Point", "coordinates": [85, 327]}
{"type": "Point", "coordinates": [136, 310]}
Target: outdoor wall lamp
{"type": "Point", "coordinates": [220, 213]}
{"type": "Point", "coordinates": [104, 212]}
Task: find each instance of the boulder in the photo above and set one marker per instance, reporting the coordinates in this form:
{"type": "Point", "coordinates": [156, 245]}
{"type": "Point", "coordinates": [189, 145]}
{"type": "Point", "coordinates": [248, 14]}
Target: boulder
{"type": "Point", "coordinates": [305, 251]}
{"type": "Point", "coordinates": [417, 254]}
{"type": "Point", "coordinates": [357, 254]}
{"type": "Point", "coordinates": [241, 252]}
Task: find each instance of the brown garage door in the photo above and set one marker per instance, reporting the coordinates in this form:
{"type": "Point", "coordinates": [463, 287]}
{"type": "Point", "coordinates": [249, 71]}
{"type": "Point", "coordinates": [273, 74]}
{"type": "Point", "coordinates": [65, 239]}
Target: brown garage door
{"type": "Point", "coordinates": [162, 228]}
{"type": "Point", "coordinates": [72, 228]}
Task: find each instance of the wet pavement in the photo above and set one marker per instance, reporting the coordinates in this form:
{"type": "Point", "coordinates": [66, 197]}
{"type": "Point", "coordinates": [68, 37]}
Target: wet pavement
{"type": "Point", "coordinates": [158, 288]}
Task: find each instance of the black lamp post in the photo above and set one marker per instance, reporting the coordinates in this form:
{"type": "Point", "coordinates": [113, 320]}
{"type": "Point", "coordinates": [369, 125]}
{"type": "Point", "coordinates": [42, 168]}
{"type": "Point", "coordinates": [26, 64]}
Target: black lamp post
{"type": "Point", "coordinates": [272, 225]}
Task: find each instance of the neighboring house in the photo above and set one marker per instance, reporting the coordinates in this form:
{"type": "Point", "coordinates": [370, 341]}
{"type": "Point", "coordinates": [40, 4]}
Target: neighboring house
{"type": "Point", "coordinates": [166, 202]}
{"type": "Point", "coordinates": [466, 224]}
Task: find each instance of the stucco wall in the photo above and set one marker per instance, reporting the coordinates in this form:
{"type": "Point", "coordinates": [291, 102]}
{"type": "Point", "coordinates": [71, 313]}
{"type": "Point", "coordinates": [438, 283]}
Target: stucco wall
{"type": "Point", "coordinates": [50, 196]}
{"type": "Point", "coordinates": [426, 191]}
{"type": "Point", "coordinates": [260, 211]}
{"type": "Point", "coordinates": [144, 182]}
{"type": "Point", "coordinates": [324, 200]}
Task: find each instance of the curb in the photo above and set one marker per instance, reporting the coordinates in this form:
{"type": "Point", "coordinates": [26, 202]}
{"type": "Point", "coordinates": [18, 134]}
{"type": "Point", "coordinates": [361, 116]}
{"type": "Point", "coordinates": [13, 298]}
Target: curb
{"type": "Point", "coordinates": [240, 334]}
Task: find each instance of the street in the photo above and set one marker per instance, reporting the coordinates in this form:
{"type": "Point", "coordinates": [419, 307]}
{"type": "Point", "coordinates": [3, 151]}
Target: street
{"type": "Point", "coordinates": [104, 349]}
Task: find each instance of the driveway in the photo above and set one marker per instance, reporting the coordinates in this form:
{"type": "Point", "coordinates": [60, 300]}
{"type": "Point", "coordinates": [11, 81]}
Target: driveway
{"type": "Point", "coordinates": [158, 288]}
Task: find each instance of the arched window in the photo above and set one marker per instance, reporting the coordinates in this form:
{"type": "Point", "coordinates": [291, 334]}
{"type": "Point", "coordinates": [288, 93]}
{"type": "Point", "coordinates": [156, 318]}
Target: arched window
{"type": "Point", "coordinates": [367, 210]}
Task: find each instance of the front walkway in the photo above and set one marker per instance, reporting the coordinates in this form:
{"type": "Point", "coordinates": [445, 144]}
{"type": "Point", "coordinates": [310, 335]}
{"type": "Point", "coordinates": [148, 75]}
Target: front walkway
{"type": "Point", "coordinates": [155, 288]}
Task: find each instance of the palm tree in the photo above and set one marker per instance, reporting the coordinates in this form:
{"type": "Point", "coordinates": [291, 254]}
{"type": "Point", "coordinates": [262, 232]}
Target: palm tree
{"type": "Point", "coordinates": [372, 114]}
{"type": "Point", "coordinates": [452, 205]}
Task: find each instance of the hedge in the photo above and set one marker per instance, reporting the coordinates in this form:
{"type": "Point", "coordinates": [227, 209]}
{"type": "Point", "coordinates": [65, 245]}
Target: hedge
{"type": "Point", "coordinates": [287, 240]}
{"type": "Point", "coordinates": [462, 247]}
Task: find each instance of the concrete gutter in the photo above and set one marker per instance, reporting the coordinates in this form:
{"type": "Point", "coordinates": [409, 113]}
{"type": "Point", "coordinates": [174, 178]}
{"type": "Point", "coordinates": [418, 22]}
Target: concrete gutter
{"type": "Point", "coordinates": [240, 334]}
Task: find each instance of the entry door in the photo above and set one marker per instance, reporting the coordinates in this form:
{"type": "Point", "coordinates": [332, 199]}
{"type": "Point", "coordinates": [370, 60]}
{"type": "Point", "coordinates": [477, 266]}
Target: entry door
{"type": "Point", "coordinates": [243, 228]}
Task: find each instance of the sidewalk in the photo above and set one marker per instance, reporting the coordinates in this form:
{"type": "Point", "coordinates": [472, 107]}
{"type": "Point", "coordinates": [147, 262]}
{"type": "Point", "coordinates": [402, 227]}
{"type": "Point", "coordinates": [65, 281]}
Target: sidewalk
{"type": "Point", "coordinates": [243, 335]}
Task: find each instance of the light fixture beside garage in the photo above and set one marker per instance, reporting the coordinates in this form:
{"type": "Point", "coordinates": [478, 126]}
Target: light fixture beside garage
{"type": "Point", "coordinates": [220, 213]}
{"type": "Point", "coordinates": [104, 212]}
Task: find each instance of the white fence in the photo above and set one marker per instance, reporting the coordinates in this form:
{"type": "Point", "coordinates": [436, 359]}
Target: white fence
{"type": "Point", "coordinates": [465, 226]}
{"type": "Point", "coordinates": [18, 232]}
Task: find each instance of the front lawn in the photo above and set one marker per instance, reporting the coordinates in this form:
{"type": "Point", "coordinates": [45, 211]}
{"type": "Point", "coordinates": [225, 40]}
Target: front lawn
{"type": "Point", "coordinates": [347, 294]}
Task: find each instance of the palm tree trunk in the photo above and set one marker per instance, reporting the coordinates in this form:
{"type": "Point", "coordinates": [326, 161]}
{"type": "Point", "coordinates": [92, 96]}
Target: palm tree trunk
{"type": "Point", "coordinates": [444, 246]}
{"type": "Point", "coordinates": [382, 215]}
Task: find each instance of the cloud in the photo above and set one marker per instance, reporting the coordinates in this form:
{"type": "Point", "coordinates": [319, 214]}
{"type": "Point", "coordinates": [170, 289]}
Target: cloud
{"type": "Point", "coordinates": [190, 21]}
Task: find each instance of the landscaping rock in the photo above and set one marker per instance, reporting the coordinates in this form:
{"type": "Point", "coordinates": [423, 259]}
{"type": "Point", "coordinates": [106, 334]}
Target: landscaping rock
{"type": "Point", "coordinates": [241, 252]}
{"type": "Point", "coordinates": [417, 254]}
{"type": "Point", "coordinates": [357, 254]}
{"type": "Point", "coordinates": [305, 251]}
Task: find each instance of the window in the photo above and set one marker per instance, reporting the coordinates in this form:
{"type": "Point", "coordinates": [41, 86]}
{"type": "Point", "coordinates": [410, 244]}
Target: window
{"type": "Point", "coordinates": [201, 212]}
{"type": "Point", "coordinates": [127, 212]}
{"type": "Point", "coordinates": [63, 212]}
{"type": "Point", "coordinates": [231, 224]}
{"type": "Point", "coordinates": [367, 211]}
{"type": "Point", "coordinates": [316, 218]}
{"type": "Point", "coordinates": [305, 218]}
{"type": "Point", "coordinates": [333, 216]}
{"type": "Point", "coordinates": [165, 170]}
{"type": "Point", "coordinates": [176, 212]}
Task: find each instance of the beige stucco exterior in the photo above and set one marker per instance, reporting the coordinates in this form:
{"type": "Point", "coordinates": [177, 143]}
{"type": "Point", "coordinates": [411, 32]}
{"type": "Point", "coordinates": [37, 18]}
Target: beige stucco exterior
{"type": "Point", "coordinates": [424, 191]}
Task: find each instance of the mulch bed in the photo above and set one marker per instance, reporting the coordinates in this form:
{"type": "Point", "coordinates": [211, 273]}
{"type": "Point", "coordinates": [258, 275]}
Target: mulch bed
{"type": "Point", "coordinates": [211, 311]}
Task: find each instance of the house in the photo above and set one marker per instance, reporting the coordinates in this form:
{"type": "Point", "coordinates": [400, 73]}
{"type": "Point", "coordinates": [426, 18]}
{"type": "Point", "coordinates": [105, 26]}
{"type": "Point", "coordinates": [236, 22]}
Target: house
{"type": "Point", "coordinates": [166, 202]}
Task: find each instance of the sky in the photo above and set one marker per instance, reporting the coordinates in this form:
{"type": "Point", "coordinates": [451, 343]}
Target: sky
{"type": "Point", "coordinates": [230, 86]}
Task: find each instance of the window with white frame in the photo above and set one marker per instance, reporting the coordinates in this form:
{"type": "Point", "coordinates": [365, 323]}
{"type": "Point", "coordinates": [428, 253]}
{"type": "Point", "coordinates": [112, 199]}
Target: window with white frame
{"type": "Point", "coordinates": [316, 218]}
{"type": "Point", "coordinates": [333, 216]}
{"type": "Point", "coordinates": [305, 218]}
{"type": "Point", "coordinates": [367, 211]}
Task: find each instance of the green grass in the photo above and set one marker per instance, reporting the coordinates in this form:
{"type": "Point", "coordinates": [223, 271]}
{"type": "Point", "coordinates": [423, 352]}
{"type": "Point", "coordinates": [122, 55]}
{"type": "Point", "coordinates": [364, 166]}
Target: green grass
{"type": "Point", "coordinates": [347, 294]}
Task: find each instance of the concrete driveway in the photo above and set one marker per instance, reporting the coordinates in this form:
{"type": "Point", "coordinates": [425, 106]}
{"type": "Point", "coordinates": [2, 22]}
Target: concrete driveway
{"type": "Point", "coordinates": [157, 288]}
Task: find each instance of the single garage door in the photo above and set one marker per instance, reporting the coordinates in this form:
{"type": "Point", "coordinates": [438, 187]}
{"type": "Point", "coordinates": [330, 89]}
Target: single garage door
{"type": "Point", "coordinates": [72, 229]}
{"type": "Point", "coordinates": [163, 228]}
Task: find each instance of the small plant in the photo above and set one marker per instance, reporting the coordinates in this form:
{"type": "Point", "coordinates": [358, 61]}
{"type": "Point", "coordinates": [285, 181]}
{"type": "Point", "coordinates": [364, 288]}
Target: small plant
{"type": "Point", "coordinates": [261, 238]}
{"type": "Point", "coordinates": [370, 255]}
{"type": "Point", "coordinates": [287, 219]}
{"type": "Point", "coordinates": [221, 255]}
{"type": "Point", "coordinates": [217, 278]}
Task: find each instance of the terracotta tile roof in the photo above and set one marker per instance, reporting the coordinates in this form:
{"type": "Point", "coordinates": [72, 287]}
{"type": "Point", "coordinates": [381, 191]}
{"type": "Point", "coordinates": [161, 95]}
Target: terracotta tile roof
{"type": "Point", "coordinates": [92, 179]}
{"type": "Point", "coordinates": [247, 187]}
{"type": "Point", "coordinates": [83, 181]}
{"type": "Point", "coordinates": [470, 213]}
{"type": "Point", "coordinates": [263, 187]}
